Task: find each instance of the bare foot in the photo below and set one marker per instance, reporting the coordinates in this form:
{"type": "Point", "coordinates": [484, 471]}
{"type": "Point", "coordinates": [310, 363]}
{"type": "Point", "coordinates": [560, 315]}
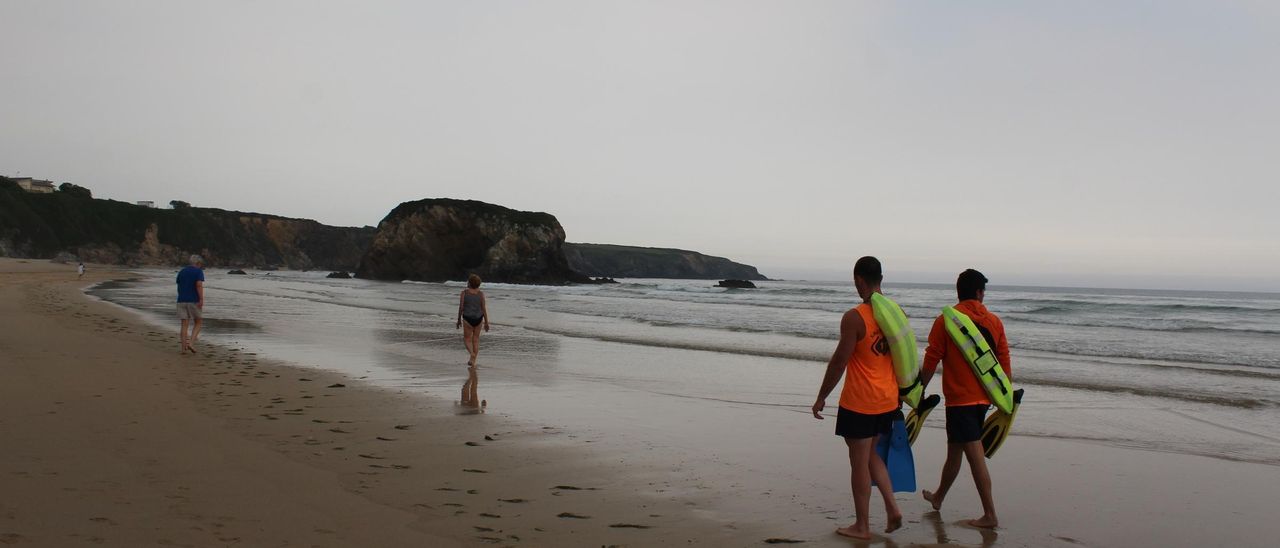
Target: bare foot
{"type": "Point", "coordinates": [852, 532]}
{"type": "Point", "coordinates": [895, 523]}
{"type": "Point", "coordinates": [984, 522]}
{"type": "Point", "coordinates": [933, 499]}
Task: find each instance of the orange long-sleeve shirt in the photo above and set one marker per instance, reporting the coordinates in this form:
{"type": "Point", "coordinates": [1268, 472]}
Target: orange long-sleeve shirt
{"type": "Point", "coordinates": [959, 385]}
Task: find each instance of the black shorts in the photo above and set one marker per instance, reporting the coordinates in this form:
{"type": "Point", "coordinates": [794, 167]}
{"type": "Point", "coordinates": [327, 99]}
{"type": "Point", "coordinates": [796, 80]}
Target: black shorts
{"type": "Point", "coordinates": [852, 424]}
{"type": "Point", "coordinates": [964, 423]}
{"type": "Point", "coordinates": [473, 322]}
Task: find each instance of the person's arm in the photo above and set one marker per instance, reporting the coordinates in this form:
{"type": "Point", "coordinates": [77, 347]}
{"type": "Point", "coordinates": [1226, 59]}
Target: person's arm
{"type": "Point", "coordinates": [851, 331]}
{"type": "Point", "coordinates": [200, 294]}
{"type": "Point", "coordinates": [462, 299]}
{"type": "Point", "coordinates": [484, 309]}
{"type": "Point", "coordinates": [934, 352]}
{"type": "Point", "coordinates": [1002, 350]}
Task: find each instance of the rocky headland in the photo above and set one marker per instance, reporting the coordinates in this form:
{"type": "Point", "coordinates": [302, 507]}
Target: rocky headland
{"type": "Point", "coordinates": [443, 239]}
{"type": "Point", "coordinates": [620, 261]}
{"type": "Point", "coordinates": [43, 226]}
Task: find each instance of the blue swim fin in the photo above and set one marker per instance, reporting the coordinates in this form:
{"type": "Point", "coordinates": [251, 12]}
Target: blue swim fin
{"type": "Point", "coordinates": [895, 450]}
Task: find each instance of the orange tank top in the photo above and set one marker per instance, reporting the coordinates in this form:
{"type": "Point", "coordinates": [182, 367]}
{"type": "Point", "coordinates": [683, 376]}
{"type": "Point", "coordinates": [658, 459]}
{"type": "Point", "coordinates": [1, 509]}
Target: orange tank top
{"type": "Point", "coordinates": [870, 386]}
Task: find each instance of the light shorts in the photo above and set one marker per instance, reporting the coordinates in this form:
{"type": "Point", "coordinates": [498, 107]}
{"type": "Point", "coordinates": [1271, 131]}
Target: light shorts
{"type": "Point", "coordinates": [189, 311]}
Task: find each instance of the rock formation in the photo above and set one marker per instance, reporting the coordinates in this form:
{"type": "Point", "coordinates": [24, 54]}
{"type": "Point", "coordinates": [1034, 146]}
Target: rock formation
{"type": "Point", "coordinates": [621, 261]}
{"type": "Point", "coordinates": [444, 239]}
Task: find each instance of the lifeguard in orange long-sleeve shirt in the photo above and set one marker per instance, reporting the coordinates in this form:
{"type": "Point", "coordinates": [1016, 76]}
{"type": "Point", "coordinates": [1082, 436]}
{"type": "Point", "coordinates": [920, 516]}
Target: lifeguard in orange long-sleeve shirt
{"type": "Point", "coordinates": [967, 402]}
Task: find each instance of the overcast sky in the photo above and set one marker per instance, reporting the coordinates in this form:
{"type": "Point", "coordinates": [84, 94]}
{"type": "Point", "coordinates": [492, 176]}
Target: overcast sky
{"type": "Point", "coordinates": [1086, 143]}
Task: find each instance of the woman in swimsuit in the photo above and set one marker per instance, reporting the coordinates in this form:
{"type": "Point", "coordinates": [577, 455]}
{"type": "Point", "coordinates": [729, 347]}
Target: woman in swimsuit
{"type": "Point", "coordinates": [471, 308]}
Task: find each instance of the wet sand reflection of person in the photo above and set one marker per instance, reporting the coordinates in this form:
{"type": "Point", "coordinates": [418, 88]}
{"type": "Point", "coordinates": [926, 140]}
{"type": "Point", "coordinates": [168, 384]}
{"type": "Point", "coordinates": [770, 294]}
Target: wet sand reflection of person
{"type": "Point", "coordinates": [934, 518]}
{"type": "Point", "coordinates": [470, 398]}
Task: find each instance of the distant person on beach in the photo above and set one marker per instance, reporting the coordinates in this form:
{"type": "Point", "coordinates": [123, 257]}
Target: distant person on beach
{"type": "Point", "coordinates": [191, 302]}
{"type": "Point", "coordinates": [868, 402]}
{"type": "Point", "coordinates": [967, 402]}
{"type": "Point", "coordinates": [472, 310]}
{"type": "Point", "coordinates": [80, 271]}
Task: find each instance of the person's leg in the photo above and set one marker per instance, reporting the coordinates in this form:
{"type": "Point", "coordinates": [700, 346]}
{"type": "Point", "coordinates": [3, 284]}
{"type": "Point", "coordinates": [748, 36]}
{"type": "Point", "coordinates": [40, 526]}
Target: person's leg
{"type": "Point", "coordinates": [880, 475]}
{"type": "Point", "coordinates": [982, 480]}
{"type": "Point", "coordinates": [182, 334]}
{"type": "Point", "coordinates": [860, 452]}
{"type": "Point", "coordinates": [475, 343]}
{"type": "Point", "coordinates": [950, 469]}
{"type": "Point", "coordinates": [466, 341]}
{"type": "Point", "coordinates": [195, 333]}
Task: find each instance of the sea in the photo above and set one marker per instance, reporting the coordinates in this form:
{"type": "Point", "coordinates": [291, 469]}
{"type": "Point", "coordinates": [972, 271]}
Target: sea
{"type": "Point", "coordinates": [1193, 372]}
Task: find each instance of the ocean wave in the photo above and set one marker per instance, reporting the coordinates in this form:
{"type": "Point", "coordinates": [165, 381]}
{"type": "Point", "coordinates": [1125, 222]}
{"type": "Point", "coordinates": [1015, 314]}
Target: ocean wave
{"type": "Point", "coordinates": [1109, 303]}
{"type": "Point", "coordinates": [1173, 325]}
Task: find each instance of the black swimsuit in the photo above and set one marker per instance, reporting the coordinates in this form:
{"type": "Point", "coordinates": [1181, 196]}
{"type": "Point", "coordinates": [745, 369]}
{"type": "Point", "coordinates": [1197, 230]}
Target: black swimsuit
{"type": "Point", "coordinates": [472, 311]}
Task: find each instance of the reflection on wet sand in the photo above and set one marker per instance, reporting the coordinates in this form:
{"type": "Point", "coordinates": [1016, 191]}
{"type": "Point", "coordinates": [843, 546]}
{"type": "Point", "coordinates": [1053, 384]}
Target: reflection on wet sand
{"type": "Point", "coordinates": [471, 402]}
{"type": "Point", "coordinates": [934, 518]}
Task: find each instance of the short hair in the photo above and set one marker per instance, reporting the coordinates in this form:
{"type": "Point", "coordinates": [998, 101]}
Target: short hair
{"type": "Point", "coordinates": [196, 259]}
{"type": "Point", "coordinates": [868, 268]}
{"type": "Point", "coordinates": [473, 281]}
{"type": "Point", "coordinates": [969, 283]}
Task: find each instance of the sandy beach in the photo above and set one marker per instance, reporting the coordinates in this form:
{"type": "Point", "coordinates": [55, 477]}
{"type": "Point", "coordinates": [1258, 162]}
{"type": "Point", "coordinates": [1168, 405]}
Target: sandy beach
{"type": "Point", "coordinates": [113, 438]}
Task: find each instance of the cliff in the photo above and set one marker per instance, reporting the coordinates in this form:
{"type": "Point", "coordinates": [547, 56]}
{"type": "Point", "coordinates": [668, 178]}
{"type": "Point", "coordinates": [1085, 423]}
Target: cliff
{"type": "Point", "coordinates": [620, 261]}
{"type": "Point", "coordinates": [443, 239]}
{"type": "Point", "coordinates": [108, 231]}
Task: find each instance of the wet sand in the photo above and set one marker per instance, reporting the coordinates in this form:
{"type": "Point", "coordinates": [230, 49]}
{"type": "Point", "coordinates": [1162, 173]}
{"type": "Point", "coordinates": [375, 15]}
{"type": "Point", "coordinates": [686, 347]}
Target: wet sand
{"type": "Point", "coordinates": [113, 438]}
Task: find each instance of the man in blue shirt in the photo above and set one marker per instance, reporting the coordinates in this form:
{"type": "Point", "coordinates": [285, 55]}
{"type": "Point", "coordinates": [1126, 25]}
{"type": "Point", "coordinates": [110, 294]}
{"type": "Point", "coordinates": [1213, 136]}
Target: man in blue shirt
{"type": "Point", "coordinates": [191, 301]}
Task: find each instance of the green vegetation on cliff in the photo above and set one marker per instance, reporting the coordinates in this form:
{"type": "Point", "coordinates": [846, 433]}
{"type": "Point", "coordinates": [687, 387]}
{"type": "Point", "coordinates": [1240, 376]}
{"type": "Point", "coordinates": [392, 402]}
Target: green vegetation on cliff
{"type": "Point", "coordinates": [620, 261]}
{"type": "Point", "coordinates": [109, 231]}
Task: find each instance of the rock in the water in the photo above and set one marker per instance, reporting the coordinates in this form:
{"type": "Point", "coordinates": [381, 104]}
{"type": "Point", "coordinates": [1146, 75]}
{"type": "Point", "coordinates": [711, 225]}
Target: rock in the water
{"type": "Point", "coordinates": [237, 272]}
{"type": "Point", "coordinates": [437, 240]}
{"type": "Point", "coordinates": [604, 280]}
{"type": "Point", "coordinates": [342, 274]}
{"type": "Point", "coordinates": [736, 284]}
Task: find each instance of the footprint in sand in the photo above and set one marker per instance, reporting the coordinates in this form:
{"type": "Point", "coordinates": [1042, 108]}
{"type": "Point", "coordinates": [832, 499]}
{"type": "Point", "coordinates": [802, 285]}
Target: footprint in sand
{"type": "Point", "coordinates": [475, 471]}
{"type": "Point", "coordinates": [513, 501]}
{"type": "Point", "coordinates": [574, 488]}
{"type": "Point", "coordinates": [570, 515]}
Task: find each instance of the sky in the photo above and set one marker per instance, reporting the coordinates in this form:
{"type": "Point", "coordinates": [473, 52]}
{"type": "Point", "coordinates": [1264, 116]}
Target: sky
{"type": "Point", "coordinates": [1116, 144]}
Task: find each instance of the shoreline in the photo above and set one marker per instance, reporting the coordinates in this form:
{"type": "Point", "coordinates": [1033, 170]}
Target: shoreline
{"type": "Point", "coordinates": [332, 458]}
{"type": "Point", "coordinates": [385, 468]}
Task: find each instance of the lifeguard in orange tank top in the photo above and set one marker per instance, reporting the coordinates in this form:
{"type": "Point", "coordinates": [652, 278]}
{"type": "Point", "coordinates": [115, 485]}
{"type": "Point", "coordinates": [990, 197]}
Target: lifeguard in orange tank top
{"type": "Point", "coordinates": [870, 386]}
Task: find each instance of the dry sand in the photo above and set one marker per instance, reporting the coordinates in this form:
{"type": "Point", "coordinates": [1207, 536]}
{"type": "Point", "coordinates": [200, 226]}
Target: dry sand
{"type": "Point", "coordinates": [110, 437]}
